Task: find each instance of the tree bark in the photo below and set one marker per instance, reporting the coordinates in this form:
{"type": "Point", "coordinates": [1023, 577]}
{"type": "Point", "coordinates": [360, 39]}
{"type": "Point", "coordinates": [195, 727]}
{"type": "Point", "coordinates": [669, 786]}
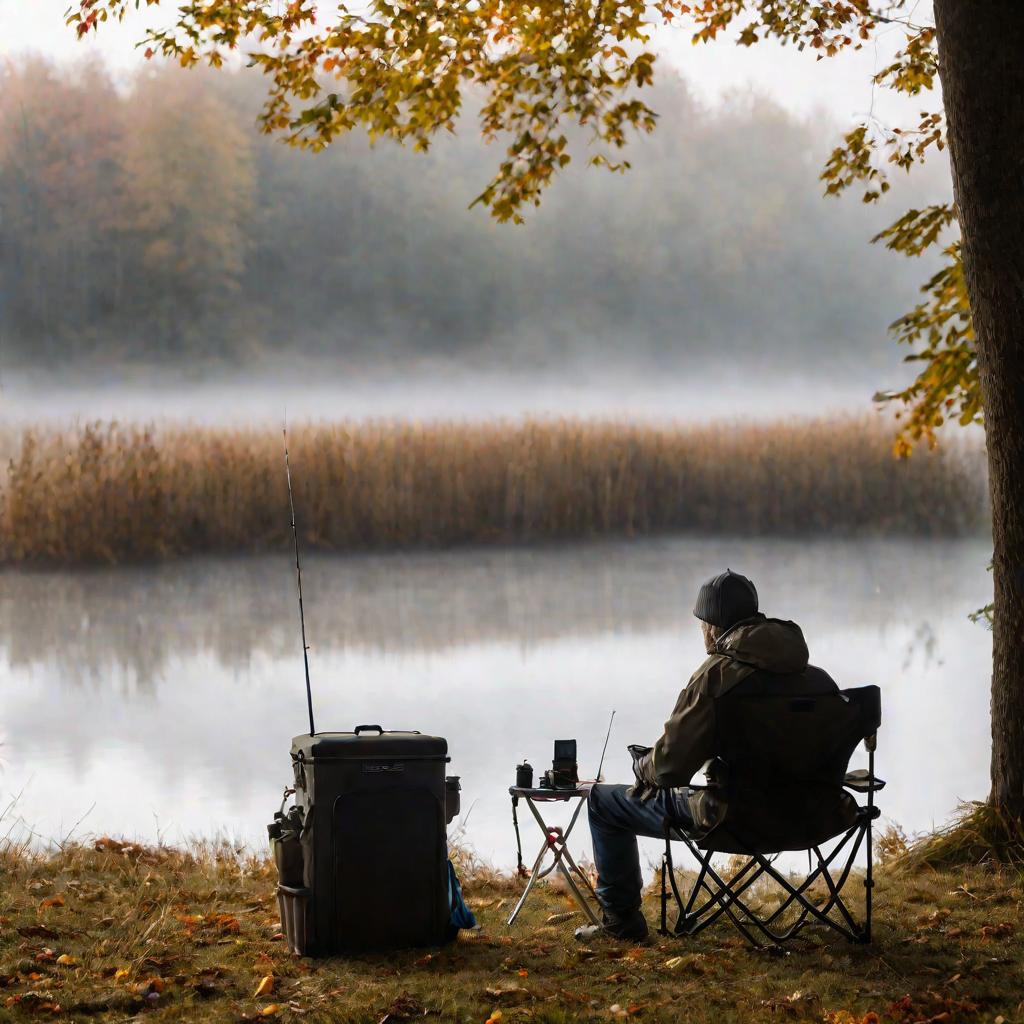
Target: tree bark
{"type": "Point", "coordinates": [981, 67]}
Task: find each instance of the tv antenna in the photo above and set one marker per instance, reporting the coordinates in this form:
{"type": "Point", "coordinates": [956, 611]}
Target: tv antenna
{"type": "Point", "coordinates": [605, 747]}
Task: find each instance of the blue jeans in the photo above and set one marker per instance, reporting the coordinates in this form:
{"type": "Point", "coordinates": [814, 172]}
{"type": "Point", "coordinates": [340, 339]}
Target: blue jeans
{"type": "Point", "coordinates": [616, 819]}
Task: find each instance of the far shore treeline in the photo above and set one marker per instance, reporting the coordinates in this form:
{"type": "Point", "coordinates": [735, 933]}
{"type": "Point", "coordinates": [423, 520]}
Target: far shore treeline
{"type": "Point", "coordinates": [106, 493]}
{"type": "Point", "coordinates": [144, 219]}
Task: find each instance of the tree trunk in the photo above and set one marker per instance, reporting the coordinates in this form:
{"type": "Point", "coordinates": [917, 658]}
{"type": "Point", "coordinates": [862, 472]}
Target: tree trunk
{"type": "Point", "coordinates": [981, 66]}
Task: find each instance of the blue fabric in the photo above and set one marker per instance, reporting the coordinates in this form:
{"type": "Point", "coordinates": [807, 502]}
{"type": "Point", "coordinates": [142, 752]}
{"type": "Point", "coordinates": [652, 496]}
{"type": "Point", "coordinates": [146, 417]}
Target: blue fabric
{"type": "Point", "coordinates": [461, 915]}
{"type": "Point", "coordinates": [616, 819]}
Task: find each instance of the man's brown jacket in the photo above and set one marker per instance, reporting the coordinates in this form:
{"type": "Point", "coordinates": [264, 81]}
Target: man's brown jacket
{"type": "Point", "coordinates": [755, 645]}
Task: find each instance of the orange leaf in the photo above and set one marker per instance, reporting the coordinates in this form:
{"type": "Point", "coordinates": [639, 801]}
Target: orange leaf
{"type": "Point", "coordinates": [266, 986]}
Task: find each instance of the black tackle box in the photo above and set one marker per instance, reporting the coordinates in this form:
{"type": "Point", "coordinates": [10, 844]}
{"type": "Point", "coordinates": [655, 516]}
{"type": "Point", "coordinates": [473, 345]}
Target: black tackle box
{"type": "Point", "coordinates": [370, 823]}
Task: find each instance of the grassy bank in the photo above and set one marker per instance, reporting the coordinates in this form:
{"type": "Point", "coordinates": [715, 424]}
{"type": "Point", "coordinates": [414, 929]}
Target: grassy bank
{"type": "Point", "coordinates": [108, 493]}
{"type": "Point", "coordinates": [111, 930]}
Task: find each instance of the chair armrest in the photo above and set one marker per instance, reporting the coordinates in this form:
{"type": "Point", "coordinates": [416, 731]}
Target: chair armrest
{"type": "Point", "coordinates": [862, 781]}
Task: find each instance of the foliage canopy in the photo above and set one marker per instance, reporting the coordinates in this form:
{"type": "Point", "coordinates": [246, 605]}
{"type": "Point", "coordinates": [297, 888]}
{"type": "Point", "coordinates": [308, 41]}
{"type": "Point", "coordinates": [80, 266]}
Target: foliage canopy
{"type": "Point", "coordinates": [399, 68]}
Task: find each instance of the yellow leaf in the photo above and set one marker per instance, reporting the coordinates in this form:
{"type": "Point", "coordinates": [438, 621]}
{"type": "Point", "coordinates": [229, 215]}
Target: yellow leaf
{"type": "Point", "coordinates": [67, 960]}
{"type": "Point", "coordinates": [266, 986]}
{"type": "Point", "coordinates": [269, 1011]}
{"type": "Point", "coordinates": [121, 972]}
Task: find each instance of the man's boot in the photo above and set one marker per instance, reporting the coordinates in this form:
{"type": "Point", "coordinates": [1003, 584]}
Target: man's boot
{"type": "Point", "coordinates": [631, 928]}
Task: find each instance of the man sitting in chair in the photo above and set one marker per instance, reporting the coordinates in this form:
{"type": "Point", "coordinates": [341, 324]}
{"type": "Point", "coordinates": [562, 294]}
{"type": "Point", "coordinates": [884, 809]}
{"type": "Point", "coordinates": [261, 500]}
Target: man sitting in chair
{"type": "Point", "coordinates": [745, 649]}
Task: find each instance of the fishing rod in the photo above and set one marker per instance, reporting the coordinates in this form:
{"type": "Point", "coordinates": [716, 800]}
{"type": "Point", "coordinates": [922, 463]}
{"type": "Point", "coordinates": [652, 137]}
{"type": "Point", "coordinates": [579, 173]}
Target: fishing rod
{"type": "Point", "coordinates": [604, 749]}
{"type": "Point", "coordinates": [298, 577]}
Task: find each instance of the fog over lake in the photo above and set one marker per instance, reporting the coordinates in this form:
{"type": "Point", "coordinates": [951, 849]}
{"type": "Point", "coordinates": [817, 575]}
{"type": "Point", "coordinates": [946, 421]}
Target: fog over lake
{"type": "Point", "coordinates": [159, 702]}
{"type": "Point", "coordinates": [441, 391]}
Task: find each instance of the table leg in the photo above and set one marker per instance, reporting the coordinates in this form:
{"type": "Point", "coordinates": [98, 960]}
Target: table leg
{"type": "Point", "coordinates": [534, 875]}
{"type": "Point", "coordinates": [584, 905]}
{"type": "Point", "coordinates": [556, 840]}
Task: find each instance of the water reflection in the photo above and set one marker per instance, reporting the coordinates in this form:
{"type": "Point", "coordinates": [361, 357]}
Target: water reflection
{"type": "Point", "coordinates": [167, 696]}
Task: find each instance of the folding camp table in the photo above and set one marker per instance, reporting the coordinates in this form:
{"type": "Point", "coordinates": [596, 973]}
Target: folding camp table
{"type": "Point", "coordinates": [556, 843]}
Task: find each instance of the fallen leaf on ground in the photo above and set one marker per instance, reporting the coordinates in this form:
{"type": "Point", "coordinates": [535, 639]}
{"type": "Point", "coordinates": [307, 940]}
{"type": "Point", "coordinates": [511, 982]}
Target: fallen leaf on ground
{"type": "Point", "coordinates": [689, 962]}
{"type": "Point", "coordinates": [404, 1008]}
{"type": "Point", "coordinates": [270, 1010]}
{"type": "Point", "coordinates": [52, 901]}
{"type": "Point", "coordinates": [996, 931]}
{"type": "Point", "coordinates": [510, 995]}
{"type": "Point", "coordinates": [932, 920]}
{"type": "Point", "coordinates": [265, 987]}
{"type": "Point", "coordinates": [559, 918]}
{"type": "Point", "coordinates": [795, 1004]}
{"type": "Point", "coordinates": [224, 923]}
{"type": "Point", "coordinates": [66, 960]}
{"type": "Point", "coordinates": [37, 931]}
{"type": "Point", "coordinates": [34, 1002]}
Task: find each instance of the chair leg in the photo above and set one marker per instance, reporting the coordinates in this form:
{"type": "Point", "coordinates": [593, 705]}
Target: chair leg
{"type": "Point", "coordinates": [724, 896]}
{"type": "Point", "coordinates": [665, 857]}
{"type": "Point", "coordinates": [853, 933]}
{"type": "Point", "coordinates": [869, 884]}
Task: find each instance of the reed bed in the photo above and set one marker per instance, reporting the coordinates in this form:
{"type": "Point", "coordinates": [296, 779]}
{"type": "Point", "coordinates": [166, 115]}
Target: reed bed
{"type": "Point", "coordinates": [106, 493]}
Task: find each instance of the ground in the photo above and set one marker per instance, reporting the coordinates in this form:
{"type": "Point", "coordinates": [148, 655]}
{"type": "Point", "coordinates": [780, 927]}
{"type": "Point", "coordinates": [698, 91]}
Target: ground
{"type": "Point", "coordinates": [109, 931]}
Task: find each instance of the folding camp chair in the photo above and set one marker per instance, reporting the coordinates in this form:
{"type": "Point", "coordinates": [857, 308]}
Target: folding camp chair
{"type": "Point", "coordinates": [781, 784]}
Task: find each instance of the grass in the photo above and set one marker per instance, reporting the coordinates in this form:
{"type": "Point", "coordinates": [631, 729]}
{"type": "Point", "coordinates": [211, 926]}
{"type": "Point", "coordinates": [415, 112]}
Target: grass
{"type": "Point", "coordinates": [110, 930]}
{"type": "Point", "coordinates": [108, 493]}
{"type": "Point", "coordinates": [979, 834]}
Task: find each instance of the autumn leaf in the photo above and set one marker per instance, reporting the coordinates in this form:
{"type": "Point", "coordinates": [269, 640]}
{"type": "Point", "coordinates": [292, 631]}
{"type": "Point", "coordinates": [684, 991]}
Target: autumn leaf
{"type": "Point", "coordinates": [511, 995]}
{"type": "Point", "coordinates": [265, 987]}
{"type": "Point", "coordinates": [559, 918]}
{"type": "Point", "coordinates": [52, 901]}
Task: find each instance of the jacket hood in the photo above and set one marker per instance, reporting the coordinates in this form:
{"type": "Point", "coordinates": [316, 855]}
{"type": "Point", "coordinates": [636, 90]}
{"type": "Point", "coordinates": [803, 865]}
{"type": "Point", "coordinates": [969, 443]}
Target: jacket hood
{"type": "Point", "coordinates": [774, 645]}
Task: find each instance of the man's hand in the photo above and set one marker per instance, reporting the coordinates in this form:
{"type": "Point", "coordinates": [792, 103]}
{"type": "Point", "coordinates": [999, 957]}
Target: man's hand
{"type": "Point", "coordinates": [643, 772]}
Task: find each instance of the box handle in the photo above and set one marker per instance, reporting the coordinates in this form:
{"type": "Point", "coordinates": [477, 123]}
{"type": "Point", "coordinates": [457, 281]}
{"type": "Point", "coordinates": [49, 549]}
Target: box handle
{"type": "Point", "coordinates": [367, 728]}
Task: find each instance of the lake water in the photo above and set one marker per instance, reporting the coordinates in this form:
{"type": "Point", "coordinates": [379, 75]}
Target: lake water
{"type": "Point", "coordinates": [160, 702]}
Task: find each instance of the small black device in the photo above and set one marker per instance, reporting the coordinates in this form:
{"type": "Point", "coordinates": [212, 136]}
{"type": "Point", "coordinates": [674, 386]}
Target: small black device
{"type": "Point", "coordinates": [564, 771]}
{"type": "Point", "coordinates": [524, 775]}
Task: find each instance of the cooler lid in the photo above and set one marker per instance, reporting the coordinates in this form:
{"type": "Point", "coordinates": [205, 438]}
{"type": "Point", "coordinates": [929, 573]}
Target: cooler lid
{"type": "Point", "coordinates": [367, 741]}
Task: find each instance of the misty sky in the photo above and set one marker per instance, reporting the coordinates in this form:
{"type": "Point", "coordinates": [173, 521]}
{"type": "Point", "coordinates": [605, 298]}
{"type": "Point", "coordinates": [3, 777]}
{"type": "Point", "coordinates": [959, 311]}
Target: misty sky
{"type": "Point", "coordinates": [841, 85]}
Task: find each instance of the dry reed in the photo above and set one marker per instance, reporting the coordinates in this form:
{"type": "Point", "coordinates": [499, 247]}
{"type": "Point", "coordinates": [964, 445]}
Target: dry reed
{"type": "Point", "coordinates": [110, 493]}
